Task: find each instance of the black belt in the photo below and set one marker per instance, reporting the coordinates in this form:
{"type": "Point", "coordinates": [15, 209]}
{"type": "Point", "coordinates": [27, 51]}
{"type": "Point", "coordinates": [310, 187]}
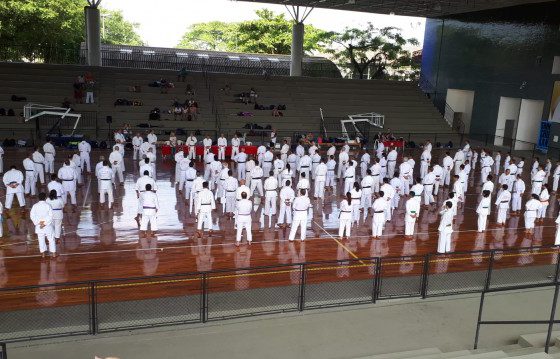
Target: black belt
{"type": "Point", "coordinates": [301, 210]}
{"type": "Point", "coordinates": [146, 207]}
{"type": "Point", "coordinates": [30, 170]}
{"type": "Point", "coordinates": [190, 180]}
{"type": "Point", "coordinates": [304, 166]}
{"type": "Point", "coordinates": [346, 211]}
{"type": "Point", "coordinates": [504, 201]}
{"type": "Point", "coordinates": [255, 178]}
{"type": "Point", "coordinates": [241, 162]}
{"type": "Point", "coordinates": [206, 204]}
{"type": "Point", "coordinates": [366, 187]}
{"type": "Point", "coordinates": [378, 211]}
{"type": "Point", "coordinates": [105, 179]}
{"type": "Point", "coordinates": [39, 163]}
{"type": "Point", "coordinates": [356, 197]}
{"type": "Point", "coordinates": [268, 161]}
{"type": "Point", "coordinates": [537, 181]}
{"type": "Point", "coordinates": [271, 190]}
{"type": "Point", "coordinates": [231, 191]}
{"type": "Point", "coordinates": [331, 170]}
{"type": "Point", "coordinates": [349, 177]}
{"type": "Point", "coordinates": [391, 160]}
{"type": "Point", "coordinates": [68, 179]}
{"type": "Point", "coordinates": [317, 162]}
{"type": "Point", "coordinates": [428, 184]}
{"type": "Point", "coordinates": [377, 175]}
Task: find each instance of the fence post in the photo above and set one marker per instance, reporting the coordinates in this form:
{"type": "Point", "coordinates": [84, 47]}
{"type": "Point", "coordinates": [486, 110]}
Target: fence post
{"type": "Point", "coordinates": [425, 270]}
{"type": "Point", "coordinates": [204, 299]}
{"type": "Point", "coordinates": [377, 286]}
{"type": "Point", "coordinates": [301, 298]}
{"type": "Point", "coordinates": [553, 310]}
{"type": "Point", "coordinates": [93, 327]}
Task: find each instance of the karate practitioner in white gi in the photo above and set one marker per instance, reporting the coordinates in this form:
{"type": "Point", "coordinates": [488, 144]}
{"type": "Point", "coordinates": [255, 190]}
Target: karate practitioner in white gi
{"type": "Point", "coordinates": [42, 217]}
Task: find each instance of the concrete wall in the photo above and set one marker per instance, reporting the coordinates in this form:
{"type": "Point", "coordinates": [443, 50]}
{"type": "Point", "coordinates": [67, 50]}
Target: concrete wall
{"type": "Point", "coordinates": [496, 53]}
{"type": "Point", "coordinates": [508, 110]}
{"type": "Point", "coordinates": [461, 101]}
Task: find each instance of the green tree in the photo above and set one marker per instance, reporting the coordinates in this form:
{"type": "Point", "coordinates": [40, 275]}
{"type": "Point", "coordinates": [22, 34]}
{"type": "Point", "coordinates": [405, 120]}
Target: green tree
{"type": "Point", "coordinates": [116, 30]}
{"type": "Point", "coordinates": [371, 49]}
{"type": "Point", "coordinates": [52, 30]}
{"type": "Point", "coordinates": [270, 33]}
{"type": "Point", "coordinates": [211, 36]}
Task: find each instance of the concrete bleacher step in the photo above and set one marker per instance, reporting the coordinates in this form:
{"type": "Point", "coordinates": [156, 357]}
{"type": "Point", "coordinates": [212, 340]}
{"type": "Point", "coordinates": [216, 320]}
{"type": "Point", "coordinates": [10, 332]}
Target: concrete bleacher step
{"type": "Point", "coordinates": [486, 355]}
{"type": "Point", "coordinates": [406, 354]}
{"type": "Point", "coordinates": [536, 340]}
{"type": "Point", "coordinates": [455, 354]}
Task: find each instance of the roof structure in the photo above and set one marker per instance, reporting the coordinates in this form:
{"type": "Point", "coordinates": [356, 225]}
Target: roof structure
{"type": "Point", "coordinates": [421, 8]}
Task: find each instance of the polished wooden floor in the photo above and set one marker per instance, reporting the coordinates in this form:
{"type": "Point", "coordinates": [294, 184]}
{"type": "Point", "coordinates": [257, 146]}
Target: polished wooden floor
{"type": "Point", "coordinates": [100, 244]}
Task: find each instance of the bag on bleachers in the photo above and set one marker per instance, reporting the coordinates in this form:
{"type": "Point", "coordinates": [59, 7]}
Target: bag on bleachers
{"type": "Point", "coordinates": [153, 84]}
{"type": "Point", "coordinates": [121, 102]}
{"type": "Point", "coordinates": [11, 112]}
{"type": "Point", "coordinates": [281, 107]}
{"type": "Point", "coordinates": [137, 102]}
{"type": "Point", "coordinates": [155, 114]}
{"type": "Point", "coordinates": [268, 127]}
{"type": "Point", "coordinates": [18, 98]}
{"type": "Point", "coordinates": [2, 111]}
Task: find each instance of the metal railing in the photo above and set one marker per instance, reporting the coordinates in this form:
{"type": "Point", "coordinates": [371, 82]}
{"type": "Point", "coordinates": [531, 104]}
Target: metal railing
{"type": "Point", "coordinates": [97, 306]}
{"type": "Point", "coordinates": [3, 351]}
{"type": "Point", "coordinates": [490, 288]}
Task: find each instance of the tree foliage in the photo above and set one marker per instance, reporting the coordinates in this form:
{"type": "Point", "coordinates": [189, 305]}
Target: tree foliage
{"type": "Point", "coordinates": [48, 30]}
{"type": "Point", "coordinates": [117, 31]}
{"type": "Point", "coordinates": [270, 33]}
{"type": "Point", "coordinates": [377, 51]}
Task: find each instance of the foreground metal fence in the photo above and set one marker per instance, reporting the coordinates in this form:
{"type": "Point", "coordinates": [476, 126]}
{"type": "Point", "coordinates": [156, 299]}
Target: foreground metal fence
{"type": "Point", "coordinates": [65, 309]}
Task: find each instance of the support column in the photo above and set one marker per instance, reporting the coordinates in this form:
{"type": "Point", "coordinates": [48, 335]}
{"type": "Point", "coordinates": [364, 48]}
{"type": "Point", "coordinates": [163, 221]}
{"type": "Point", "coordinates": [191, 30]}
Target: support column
{"type": "Point", "coordinates": [298, 30]}
{"type": "Point", "coordinates": [93, 35]}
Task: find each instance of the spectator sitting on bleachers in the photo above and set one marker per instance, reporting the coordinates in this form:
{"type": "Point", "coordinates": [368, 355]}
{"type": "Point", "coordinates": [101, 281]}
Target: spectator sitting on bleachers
{"type": "Point", "coordinates": [192, 108]}
{"type": "Point", "coordinates": [276, 113]}
{"type": "Point", "coordinates": [163, 84]}
{"type": "Point", "coordinates": [253, 95]}
{"type": "Point", "coordinates": [178, 111]}
{"type": "Point", "coordinates": [189, 91]}
{"type": "Point", "coordinates": [182, 74]}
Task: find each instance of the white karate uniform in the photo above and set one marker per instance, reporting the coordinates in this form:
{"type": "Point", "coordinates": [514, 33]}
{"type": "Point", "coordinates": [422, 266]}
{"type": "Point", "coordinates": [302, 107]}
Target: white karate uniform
{"type": "Point", "coordinates": [68, 177]}
{"type": "Point", "coordinates": [243, 219]}
{"type": "Point", "coordinates": [543, 198]}
{"type": "Point", "coordinates": [13, 180]}
{"type": "Point", "coordinates": [230, 188]}
{"type": "Point", "coordinates": [191, 144]}
{"type": "Point", "coordinates": [342, 163]}
{"type": "Point", "coordinates": [320, 175]}
{"type": "Point", "coordinates": [405, 174]}
{"type": "Point", "coordinates": [412, 211]}
{"type": "Point", "coordinates": [39, 161]}
{"type": "Point", "coordinates": [531, 212]}
{"type": "Point", "coordinates": [345, 219]}
{"type": "Point", "coordinates": [203, 207]}
{"type": "Point", "coordinates": [116, 160]}
{"type": "Point", "coordinates": [391, 163]}
{"type": "Point", "coordinates": [331, 178]}
{"type": "Point", "coordinates": [557, 235]}
{"type": "Point", "coordinates": [256, 180]}
{"type": "Point", "coordinates": [58, 213]}
{"type": "Point", "coordinates": [50, 153]}
{"type": "Point", "coordinates": [85, 148]}
{"type": "Point", "coordinates": [349, 178]}
{"type": "Point", "coordinates": [241, 159]}
{"type": "Point", "coordinates": [300, 206]}
{"type": "Point", "coordinates": [445, 229]}
{"type": "Point", "coordinates": [235, 143]}
{"type": "Point", "coordinates": [458, 161]}
{"type": "Point", "coordinates": [287, 196]}
{"type": "Point", "coordinates": [268, 157]}
{"type": "Point", "coordinates": [271, 194]}
{"type": "Point", "coordinates": [483, 211]}
{"type": "Point", "coordinates": [41, 212]}
{"type": "Point", "coordinates": [537, 182]}
{"type": "Point", "coordinates": [106, 178]}
{"type": "Point", "coordinates": [222, 144]}
{"type": "Point", "coordinates": [150, 207]}
{"type": "Point", "coordinates": [136, 143]}
{"type": "Point", "coordinates": [429, 182]}
{"type": "Point", "coordinates": [425, 160]}
{"type": "Point", "coordinates": [447, 167]}
{"type": "Point", "coordinates": [30, 176]}
{"type": "Point", "coordinates": [518, 190]}
{"type": "Point", "coordinates": [503, 205]}
{"type": "Point", "coordinates": [379, 208]}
